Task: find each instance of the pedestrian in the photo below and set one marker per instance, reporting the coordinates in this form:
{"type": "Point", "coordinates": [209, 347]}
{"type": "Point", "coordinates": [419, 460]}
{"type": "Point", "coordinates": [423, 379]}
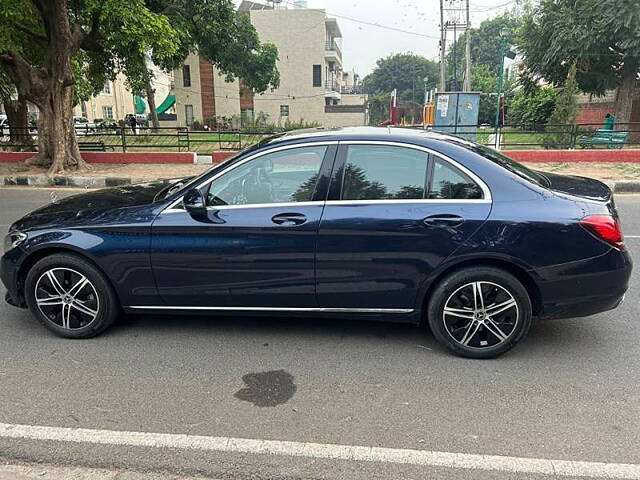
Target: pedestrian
{"type": "Point", "coordinates": [134, 124]}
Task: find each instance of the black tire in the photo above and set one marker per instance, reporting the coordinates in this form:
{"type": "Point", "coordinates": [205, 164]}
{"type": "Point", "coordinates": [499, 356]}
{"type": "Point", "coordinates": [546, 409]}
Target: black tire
{"type": "Point", "coordinates": [478, 327]}
{"type": "Point", "coordinates": [97, 296]}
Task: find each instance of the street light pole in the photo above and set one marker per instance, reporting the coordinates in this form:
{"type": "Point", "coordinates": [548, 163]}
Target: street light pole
{"type": "Point", "coordinates": [504, 39]}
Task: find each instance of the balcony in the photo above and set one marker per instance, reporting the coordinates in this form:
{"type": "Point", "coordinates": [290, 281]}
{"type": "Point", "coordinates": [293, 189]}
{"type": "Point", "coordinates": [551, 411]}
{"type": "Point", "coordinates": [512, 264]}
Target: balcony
{"type": "Point", "coordinates": [352, 90]}
{"type": "Point", "coordinates": [332, 52]}
{"type": "Point", "coordinates": [332, 89]}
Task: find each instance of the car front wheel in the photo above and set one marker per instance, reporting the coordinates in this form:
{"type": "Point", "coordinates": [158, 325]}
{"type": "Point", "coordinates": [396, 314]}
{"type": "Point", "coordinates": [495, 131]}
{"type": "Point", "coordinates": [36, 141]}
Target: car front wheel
{"type": "Point", "coordinates": [70, 296]}
{"type": "Point", "coordinates": [479, 312]}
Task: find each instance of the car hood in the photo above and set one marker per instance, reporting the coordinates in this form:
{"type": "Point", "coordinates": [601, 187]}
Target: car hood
{"type": "Point", "coordinates": [579, 186]}
{"type": "Point", "coordinates": [90, 204]}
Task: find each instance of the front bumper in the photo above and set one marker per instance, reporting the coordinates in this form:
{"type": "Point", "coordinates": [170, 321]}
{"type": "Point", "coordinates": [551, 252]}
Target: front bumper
{"type": "Point", "coordinates": [9, 276]}
{"type": "Point", "coordinates": [586, 287]}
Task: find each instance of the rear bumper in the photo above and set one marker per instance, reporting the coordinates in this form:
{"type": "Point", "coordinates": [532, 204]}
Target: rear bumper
{"type": "Point", "coordinates": [586, 287]}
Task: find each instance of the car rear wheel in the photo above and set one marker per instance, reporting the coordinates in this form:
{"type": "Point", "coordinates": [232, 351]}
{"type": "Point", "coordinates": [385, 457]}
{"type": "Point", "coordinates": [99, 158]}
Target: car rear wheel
{"type": "Point", "coordinates": [479, 312]}
{"type": "Point", "coordinates": [70, 296]}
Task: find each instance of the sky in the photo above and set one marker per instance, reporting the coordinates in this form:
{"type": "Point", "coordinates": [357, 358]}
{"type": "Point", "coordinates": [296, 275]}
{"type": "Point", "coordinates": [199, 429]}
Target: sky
{"type": "Point", "coordinates": [363, 44]}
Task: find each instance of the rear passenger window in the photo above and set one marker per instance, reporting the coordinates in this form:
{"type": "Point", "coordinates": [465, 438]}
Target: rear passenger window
{"type": "Point", "coordinates": [374, 172]}
{"type": "Point", "coordinates": [450, 183]}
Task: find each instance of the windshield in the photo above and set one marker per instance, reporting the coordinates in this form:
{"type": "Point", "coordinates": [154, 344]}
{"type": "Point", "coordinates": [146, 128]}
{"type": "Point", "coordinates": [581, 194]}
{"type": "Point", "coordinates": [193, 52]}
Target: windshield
{"type": "Point", "coordinates": [511, 165]}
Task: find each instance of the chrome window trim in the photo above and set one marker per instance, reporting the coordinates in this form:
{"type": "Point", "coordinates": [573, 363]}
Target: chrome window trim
{"type": "Point", "coordinates": [402, 200]}
{"type": "Point", "coordinates": [275, 309]}
{"type": "Point", "coordinates": [171, 208]}
{"type": "Point", "coordinates": [252, 205]}
{"type": "Point", "coordinates": [486, 191]}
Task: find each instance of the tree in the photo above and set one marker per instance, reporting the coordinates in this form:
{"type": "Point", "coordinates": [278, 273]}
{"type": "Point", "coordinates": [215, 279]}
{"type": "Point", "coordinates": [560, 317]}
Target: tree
{"type": "Point", "coordinates": [91, 41]}
{"type": "Point", "coordinates": [406, 73]}
{"type": "Point", "coordinates": [532, 106]}
{"type": "Point", "coordinates": [219, 34]}
{"type": "Point", "coordinates": [564, 115]}
{"type": "Point", "coordinates": [600, 38]}
{"type": "Point", "coordinates": [378, 106]}
{"type": "Point", "coordinates": [484, 80]}
{"type": "Point", "coordinates": [17, 112]}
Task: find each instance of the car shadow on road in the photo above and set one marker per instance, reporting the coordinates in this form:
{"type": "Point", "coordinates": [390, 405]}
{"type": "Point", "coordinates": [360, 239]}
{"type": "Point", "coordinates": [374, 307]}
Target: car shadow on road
{"type": "Point", "coordinates": [545, 337]}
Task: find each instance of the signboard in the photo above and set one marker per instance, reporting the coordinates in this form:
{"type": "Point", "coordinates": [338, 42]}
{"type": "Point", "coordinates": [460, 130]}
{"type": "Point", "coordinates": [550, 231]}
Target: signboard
{"type": "Point", "coordinates": [443, 105]}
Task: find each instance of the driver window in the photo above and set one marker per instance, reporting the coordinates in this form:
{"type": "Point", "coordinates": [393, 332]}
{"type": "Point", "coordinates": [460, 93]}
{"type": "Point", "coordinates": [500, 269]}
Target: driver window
{"type": "Point", "coordinates": [279, 177]}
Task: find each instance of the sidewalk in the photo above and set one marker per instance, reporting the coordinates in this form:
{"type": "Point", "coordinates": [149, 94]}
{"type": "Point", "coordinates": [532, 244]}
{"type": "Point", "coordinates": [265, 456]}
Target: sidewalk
{"type": "Point", "coordinates": [51, 472]}
{"type": "Point", "coordinates": [624, 177]}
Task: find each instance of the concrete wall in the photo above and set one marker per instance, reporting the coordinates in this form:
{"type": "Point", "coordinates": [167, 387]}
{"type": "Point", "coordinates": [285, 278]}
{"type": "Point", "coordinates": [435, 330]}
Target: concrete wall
{"type": "Point", "coordinates": [227, 95]}
{"type": "Point", "coordinates": [188, 95]}
{"type": "Point", "coordinates": [300, 37]}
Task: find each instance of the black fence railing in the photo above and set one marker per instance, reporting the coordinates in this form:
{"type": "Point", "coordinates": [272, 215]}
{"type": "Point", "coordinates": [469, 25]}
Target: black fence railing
{"type": "Point", "coordinates": [551, 136]}
{"type": "Point", "coordinates": [127, 139]}
{"type": "Point", "coordinates": [183, 139]}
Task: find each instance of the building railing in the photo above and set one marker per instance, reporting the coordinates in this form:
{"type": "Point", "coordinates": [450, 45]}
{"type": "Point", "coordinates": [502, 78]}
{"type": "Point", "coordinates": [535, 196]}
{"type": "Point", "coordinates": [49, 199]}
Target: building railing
{"type": "Point", "coordinates": [353, 89]}
{"type": "Point", "coordinates": [332, 86]}
{"type": "Point", "coordinates": [332, 46]}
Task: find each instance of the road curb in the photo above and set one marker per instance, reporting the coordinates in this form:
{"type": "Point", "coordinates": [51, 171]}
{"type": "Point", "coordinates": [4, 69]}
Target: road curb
{"type": "Point", "coordinates": [71, 181]}
{"type": "Point", "coordinates": [621, 186]}
{"type": "Point", "coordinates": [626, 186]}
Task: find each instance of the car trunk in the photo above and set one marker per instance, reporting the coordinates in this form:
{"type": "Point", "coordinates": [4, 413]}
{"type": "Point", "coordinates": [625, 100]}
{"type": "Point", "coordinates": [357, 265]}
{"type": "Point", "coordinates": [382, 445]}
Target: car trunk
{"type": "Point", "coordinates": [579, 186]}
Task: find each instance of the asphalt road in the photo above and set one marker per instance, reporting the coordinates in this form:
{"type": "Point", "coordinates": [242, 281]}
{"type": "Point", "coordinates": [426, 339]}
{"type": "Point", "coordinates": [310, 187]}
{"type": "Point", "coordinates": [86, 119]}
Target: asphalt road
{"type": "Point", "coordinates": [570, 391]}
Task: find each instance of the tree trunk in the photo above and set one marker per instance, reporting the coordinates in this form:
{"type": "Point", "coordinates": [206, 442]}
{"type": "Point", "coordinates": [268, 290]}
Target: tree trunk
{"type": "Point", "coordinates": [57, 142]}
{"type": "Point", "coordinates": [624, 98]}
{"type": "Point", "coordinates": [18, 118]}
{"type": "Point", "coordinates": [50, 88]}
{"type": "Point", "coordinates": [151, 100]}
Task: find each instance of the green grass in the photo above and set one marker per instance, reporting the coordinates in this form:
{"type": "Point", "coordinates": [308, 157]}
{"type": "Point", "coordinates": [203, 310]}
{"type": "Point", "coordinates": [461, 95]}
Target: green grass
{"type": "Point", "coordinates": [199, 142]}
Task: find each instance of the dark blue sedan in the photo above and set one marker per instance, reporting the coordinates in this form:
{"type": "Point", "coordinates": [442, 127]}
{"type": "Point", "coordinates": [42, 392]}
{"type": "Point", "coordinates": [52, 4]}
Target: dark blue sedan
{"type": "Point", "coordinates": [371, 223]}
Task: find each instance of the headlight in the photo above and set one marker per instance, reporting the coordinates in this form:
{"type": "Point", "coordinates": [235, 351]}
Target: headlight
{"type": "Point", "coordinates": [13, 239]}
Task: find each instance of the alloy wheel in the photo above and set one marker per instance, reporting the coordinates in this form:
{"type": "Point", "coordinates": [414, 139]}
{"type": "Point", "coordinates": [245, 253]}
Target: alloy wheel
{"type": "Point", "coordinates": [67, 298]}
{"type": "Point", "coordinates": [480, 315]}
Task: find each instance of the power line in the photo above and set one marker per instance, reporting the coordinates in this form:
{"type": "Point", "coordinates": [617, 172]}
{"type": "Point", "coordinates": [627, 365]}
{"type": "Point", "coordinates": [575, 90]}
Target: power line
{"type": "Point", "coordinates": [386, 27]}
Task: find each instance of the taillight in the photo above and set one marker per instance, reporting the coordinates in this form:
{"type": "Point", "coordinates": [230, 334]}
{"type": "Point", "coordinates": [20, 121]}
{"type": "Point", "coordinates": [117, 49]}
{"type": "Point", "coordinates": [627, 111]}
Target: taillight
{"type": "Point", "coordinates": [606, 228]}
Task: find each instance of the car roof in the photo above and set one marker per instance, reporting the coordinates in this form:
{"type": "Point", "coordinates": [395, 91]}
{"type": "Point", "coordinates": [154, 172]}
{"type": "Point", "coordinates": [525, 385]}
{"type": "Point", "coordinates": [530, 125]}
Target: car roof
{"type": "Point", "coordinates": [390, 134]}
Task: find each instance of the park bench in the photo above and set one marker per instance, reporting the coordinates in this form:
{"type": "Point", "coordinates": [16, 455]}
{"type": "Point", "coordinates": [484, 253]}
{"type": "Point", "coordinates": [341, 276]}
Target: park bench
{"type": "Point", "coordinates": [93, 147]}
{"type": "Point", "coordinates": [609, 138]}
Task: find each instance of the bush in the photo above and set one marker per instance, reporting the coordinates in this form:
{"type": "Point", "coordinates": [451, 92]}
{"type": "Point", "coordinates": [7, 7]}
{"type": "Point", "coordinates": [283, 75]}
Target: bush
{"type": "Point", "coordinates": [532, 108]}
{"type": "Point", "coordinates": [298, 124]}
{"type": "Point", "coordinates": [196, 125]}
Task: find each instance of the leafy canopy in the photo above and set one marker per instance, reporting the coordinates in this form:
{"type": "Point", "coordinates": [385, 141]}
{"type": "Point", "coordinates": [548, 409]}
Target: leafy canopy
{"type": "Point", "coordinates": [598, 37]}
{"type": "Point", "coordinates": [404, 71]}
{"type": "Point", "coordinates": [119, 36]}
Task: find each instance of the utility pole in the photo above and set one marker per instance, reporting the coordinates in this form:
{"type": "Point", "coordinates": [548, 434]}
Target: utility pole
{"type": "Point", "coordinates": [467, 71]}
{"type": "Point", "coordinates": [443, 49]}
{"type": "Point", "coordinates": [454, 16]}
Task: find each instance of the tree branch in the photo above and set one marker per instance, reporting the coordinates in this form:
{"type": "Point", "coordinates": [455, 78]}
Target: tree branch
{"type": "Point", "coordinates": [28, 31]}
{"type": "Point", "coordinates": [91, 41]}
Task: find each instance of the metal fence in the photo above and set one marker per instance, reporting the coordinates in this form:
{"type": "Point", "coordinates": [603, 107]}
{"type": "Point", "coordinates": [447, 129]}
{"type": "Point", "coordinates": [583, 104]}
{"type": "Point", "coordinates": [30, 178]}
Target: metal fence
{"type": "Point", "coordinates": [141, 139]}
{"type": "Point", "coordinates": [182, 139]}
{"type": "Point", "coordinates": [551, 136]}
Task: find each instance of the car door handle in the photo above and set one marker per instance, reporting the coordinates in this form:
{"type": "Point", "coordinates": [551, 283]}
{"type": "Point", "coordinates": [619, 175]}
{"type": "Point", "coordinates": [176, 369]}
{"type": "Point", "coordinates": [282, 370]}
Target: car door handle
{"type": "Point", "coordinates": [289, 219]}
{"type": "Point", "coordinates": [444, 220]}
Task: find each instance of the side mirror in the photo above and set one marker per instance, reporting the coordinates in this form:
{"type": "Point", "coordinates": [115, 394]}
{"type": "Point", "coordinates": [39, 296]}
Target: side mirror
{"type": "Point", "coordinates": [194, 203]}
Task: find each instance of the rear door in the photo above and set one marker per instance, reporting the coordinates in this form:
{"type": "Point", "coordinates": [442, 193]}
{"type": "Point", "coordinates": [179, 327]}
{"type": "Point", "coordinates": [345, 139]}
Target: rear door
{"type": "Point", "coordinates": [394, 213]}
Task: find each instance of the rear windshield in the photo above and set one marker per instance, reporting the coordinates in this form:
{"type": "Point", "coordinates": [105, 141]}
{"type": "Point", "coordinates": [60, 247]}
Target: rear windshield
{"type": "Point", "coordinates": [511, 165]}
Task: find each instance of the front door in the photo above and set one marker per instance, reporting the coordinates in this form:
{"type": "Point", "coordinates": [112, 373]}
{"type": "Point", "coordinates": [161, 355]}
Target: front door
{"type": "Point", "coordinates": [394, 213]}
{"type": "Point", "coordinates": [256, 245]}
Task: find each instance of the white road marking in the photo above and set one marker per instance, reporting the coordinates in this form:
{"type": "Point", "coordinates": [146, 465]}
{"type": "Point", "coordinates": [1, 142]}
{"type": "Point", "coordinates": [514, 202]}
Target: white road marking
{"type": "Point", "coordinates": [541, 466]}
{"type": "Point", "coordinates": [632, 236]}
